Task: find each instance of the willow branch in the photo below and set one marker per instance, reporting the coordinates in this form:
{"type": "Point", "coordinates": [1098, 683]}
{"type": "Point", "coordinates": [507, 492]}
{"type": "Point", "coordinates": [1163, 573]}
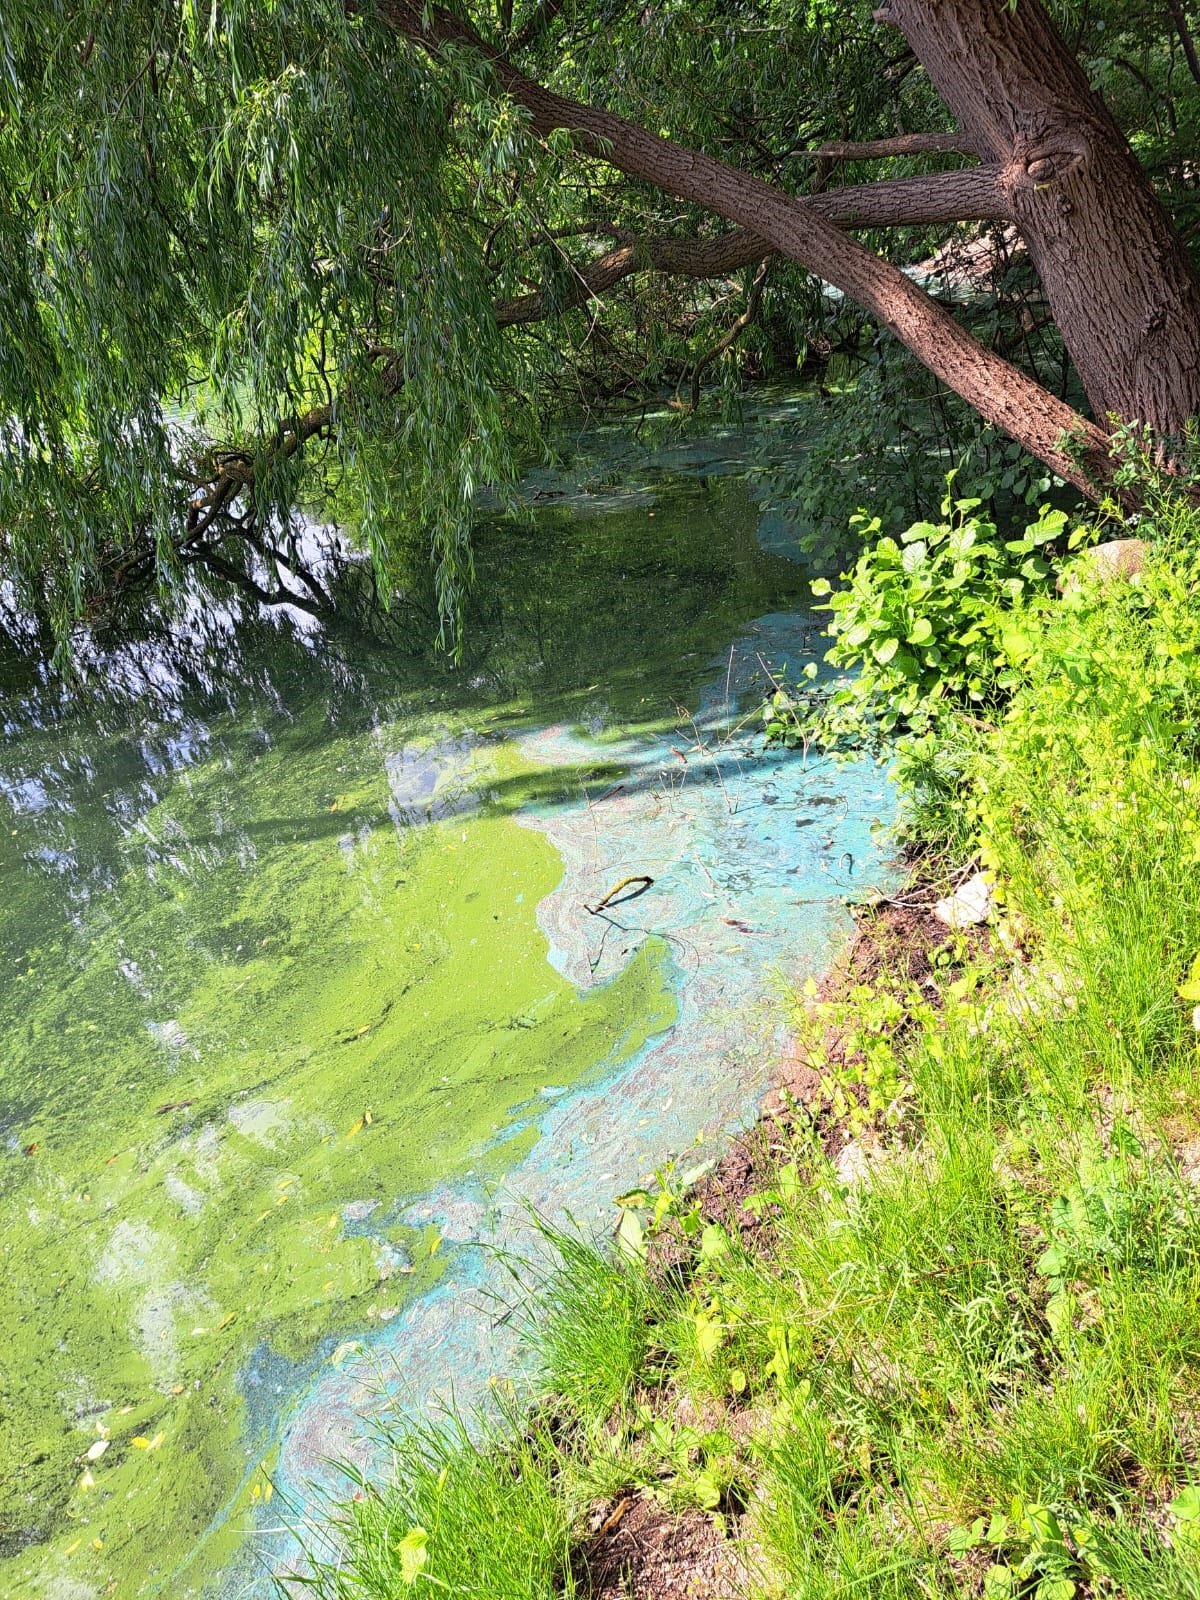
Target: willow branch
{"type": "Point", "coordinates": [733, 333]}
{"type": "Point", "coordinates": [1001, 394]}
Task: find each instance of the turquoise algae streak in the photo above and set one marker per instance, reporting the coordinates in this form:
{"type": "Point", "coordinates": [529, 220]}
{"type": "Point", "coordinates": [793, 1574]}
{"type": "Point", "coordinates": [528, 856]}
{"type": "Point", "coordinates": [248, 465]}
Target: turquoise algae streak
{"type": "Point", "coordinates": [303, 1003]}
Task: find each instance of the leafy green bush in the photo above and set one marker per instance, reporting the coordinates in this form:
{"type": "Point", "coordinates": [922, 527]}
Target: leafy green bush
{"type": "Point", "coordinates": [925, 623]}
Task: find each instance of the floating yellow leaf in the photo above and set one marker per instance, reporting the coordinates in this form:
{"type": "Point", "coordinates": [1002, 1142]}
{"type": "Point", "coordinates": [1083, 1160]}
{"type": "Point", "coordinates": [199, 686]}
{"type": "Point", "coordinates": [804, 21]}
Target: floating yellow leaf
{"type": "Point", "coordinates": [225, 1321]}
{"type": "Point", "coordinates": [355, 1128]}
{"type": "Point", "coordinates": [176, 1388]}
{"type": "Point", "coordinates": [268, 1491]}
{"type": "Point", "coordinates": [87, 1482]}
{"type": "Point", "coordinates": [95, 1451]}
{"type": "Point", "coordinates": [333, 1221]}
{"type": "Point", "coordinates": [71, 1548]}
{"type": "Point", "coordinates": [367, 1118]}
{"type": "Point", "coordinates": [140, 1442]}
{"type": "Point", "coordinates": [97, 1544]}
{"type": "Point", "coordinates": [256, 1493]}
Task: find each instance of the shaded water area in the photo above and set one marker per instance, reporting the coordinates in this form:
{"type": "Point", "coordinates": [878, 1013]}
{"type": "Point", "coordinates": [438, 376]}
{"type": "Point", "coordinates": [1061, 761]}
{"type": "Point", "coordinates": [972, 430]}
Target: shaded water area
{"type": "Point", "coordinates": [302, 1005]}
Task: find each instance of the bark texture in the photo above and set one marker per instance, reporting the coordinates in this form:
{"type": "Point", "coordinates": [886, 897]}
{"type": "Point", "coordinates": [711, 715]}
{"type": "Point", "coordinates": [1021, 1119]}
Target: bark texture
{"type": "Point", "coordinates": [1118, 281]}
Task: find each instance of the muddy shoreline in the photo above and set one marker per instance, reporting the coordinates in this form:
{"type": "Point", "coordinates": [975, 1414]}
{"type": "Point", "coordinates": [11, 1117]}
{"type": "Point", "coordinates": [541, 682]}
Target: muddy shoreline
{"type": "Point", "coordinates": [637, 1547]}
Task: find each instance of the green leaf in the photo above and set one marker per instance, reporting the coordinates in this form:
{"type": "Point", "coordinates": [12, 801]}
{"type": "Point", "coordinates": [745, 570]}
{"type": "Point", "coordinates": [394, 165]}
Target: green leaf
{"type": "Point", "coordinates": [1017, 646]}
{"type": "Point", "coordinates": [1190, 989]}
{"type": "Point", "coordinates": [708, 1491]}
{"type": "Point", "coordinates": [714, 1243]}
{"type": "Point", "coordinates": [1055, 1588]}
{"type": "Point", "coordinates": [922, 631]}
{"type": "Point", "coordinates": [960, 1540]}
{"type": "Point", "coordinates": [1186, 1505]}
{"type": "Point", "coordinates": [709, 1335]}
{"type": "Point", "coordinates": [631, 1237]}
{"type": "Point", "coordinates": [1043, 1524]}
{"type": "Point", "coordinates": [884, 652]}
{"type": "Point", "coordinates": [414, 1554]}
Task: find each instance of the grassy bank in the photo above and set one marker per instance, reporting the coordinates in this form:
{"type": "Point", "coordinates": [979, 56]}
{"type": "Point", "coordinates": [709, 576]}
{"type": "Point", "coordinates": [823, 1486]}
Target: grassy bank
{"type": "Point", "coordinates": [937, 1331]}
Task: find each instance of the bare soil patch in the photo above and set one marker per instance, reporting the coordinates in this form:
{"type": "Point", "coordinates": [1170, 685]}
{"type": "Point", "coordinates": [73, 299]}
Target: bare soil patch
{"type": "Point", "coordinates": [641, 1551]}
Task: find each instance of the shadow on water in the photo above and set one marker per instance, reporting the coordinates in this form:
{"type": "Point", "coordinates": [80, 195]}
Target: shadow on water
{"type": "Point", "coordinates": [604, 621]}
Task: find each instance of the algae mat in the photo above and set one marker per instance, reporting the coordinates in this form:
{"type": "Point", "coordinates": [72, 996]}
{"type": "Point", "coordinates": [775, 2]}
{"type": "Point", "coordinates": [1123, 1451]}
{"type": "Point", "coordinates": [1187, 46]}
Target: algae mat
{"type": "Point", "coordinates": [299, 1004]}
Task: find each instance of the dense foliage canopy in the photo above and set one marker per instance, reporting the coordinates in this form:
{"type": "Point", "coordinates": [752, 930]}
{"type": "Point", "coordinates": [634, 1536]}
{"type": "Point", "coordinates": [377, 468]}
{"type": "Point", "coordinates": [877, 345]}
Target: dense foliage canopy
{"type": "Point", "coordinates": [254, 252]}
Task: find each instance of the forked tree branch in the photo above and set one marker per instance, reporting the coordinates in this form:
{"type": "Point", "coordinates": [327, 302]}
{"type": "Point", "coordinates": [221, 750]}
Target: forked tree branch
{"type": "Point", "coordinates": [998, 391]}
{"type": "Point", "coordinates": [733, 333]}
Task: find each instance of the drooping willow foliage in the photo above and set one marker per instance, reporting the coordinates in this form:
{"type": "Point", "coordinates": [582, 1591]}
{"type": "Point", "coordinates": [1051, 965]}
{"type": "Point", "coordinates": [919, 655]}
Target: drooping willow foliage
{"type": "Point", "coordinates": [213, 223]}
{"type": "Point", "coordinates": [247, 241]}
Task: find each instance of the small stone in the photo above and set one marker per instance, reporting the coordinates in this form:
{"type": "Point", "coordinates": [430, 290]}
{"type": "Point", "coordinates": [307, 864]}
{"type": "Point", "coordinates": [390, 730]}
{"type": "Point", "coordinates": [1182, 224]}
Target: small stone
{"type": "Point", "coordinates": [853, 1165]}
{"type": "Point", "coordinates": [968, 906]}
{"type": "Point", "coordinates": [1119, 558]}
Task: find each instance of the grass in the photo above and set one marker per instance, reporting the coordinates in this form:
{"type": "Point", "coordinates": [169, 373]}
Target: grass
{"type": "Point", "coordinates": [976, 1371]}
{"type": "Point", "coordinates": [467, 1511]}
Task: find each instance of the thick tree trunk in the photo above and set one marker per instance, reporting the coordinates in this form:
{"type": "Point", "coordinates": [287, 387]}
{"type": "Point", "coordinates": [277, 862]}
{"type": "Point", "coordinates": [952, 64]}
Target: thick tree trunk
{"type": "Point", "coordinates": [1119, 284]}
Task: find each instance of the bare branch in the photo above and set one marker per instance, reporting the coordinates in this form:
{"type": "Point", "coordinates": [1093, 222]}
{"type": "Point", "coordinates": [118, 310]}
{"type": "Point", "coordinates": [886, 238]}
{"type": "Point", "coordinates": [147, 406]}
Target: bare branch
{"type": "Point", "coordinates": [902, 144]}
{"type": "Point", "coordinates": [538, 24]}
{"type": "Point", "coordinates": [1185, 37]}
{"type": "Point", "coordinates": [732, 334]}
{"type": "Point", "coordinates": [973, 194]}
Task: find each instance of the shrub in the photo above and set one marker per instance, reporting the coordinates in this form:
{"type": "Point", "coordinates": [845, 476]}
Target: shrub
{"type": "Point", "coordinates": [924, 624]}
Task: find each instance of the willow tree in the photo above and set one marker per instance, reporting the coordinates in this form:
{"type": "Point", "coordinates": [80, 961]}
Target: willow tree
{"type": "Point", "coordinates": [236, 236]}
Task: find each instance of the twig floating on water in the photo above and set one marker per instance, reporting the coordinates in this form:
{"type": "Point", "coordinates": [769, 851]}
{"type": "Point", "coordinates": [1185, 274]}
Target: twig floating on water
{"type": "Point", "coordinates": [611, 896]}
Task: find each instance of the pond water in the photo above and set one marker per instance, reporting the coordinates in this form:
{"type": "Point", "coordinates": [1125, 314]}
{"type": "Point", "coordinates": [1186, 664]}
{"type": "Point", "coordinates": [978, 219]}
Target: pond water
{"type": "Point", "coordinates": [302, 1005]}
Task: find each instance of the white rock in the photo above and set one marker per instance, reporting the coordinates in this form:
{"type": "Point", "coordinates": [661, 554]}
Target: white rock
{"type": "Point", "coordinates": [853, 1165]}
{"type": "Point", "coordinates": [1119, 558]}
{"type": "Point", "coordinates": [968, 906]}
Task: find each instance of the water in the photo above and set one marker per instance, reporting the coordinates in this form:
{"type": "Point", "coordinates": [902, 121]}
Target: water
{"type": "Point", "coordinates": [302, 1003]}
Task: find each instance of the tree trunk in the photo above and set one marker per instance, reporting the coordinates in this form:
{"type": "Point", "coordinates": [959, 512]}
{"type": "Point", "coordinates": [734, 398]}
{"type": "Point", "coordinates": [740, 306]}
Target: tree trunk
{"type": "Point", "coordinates": [1119, 284]}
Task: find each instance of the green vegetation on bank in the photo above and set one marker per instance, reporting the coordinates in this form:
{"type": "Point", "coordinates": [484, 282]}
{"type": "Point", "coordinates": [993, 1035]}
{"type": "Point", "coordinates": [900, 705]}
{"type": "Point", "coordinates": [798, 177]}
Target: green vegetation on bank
{"type": "Point", "coordinates": [967, 1362]}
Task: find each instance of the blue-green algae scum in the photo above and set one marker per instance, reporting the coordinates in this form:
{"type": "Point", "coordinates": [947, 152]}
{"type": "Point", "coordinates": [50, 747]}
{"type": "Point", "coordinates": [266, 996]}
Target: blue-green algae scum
{"type": "Point", "coordinates": [302, 1007]}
